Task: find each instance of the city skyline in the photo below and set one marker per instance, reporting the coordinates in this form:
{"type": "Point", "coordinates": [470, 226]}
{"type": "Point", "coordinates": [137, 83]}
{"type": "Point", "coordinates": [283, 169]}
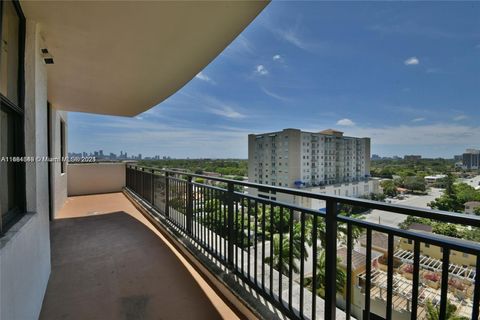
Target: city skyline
{"type": "Point", "coordinates": [404, 74]}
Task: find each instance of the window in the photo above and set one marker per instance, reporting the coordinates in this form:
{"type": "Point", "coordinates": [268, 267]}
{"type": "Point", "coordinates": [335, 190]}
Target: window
{"type": "Point", "coordinates": [63, 149]}
{"type": "Point", "coordinates": [9, 56]}
{"type": "Point", "coordinates": [12, 183]}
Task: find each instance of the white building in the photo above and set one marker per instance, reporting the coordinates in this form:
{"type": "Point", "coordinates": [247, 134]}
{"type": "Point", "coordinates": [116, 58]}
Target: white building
{"type": "Point", "coordinates": [432, 180]}
{"type": "Point", "coordinates": [294, 158]}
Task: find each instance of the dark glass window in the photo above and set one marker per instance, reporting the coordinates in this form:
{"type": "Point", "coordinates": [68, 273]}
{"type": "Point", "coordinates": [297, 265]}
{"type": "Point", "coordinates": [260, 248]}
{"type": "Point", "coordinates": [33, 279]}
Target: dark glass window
{"type": "Point", "coordinates": [9, 57]}
{"type": "Point", "coordinates": [12, 167]}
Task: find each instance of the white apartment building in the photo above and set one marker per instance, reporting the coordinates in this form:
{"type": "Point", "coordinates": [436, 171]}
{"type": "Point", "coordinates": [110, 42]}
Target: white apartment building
{"type": "Point", "coordinates": [471, 159]}
{"type": "Point", "coordinates": [294, 158]}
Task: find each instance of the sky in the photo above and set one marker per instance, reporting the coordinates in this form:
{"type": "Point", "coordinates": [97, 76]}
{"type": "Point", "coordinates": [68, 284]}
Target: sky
{"type": "Point", "coordinates": [405, 74]}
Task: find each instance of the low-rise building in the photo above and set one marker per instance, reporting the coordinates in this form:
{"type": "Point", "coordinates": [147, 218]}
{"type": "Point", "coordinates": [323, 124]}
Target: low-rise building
{"type": "Point", "coordinates": [436, 252]}
{"type": "Point", "coordinates": [353, 189]}
{"type": "Point", "coordinates": [470, 206]}
{"type": "Point", "coordinates": [435, 180]}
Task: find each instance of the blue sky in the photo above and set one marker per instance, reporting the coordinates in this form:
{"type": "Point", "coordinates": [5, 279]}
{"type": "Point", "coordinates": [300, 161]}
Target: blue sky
{"type": "Point", "coordinates": [405, 74]}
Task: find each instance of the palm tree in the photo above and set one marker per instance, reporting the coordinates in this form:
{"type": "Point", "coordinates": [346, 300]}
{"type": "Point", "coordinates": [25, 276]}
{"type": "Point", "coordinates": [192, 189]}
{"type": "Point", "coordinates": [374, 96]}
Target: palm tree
{"type": "Point", "coordinates": [284, 262]}
{"type": "Point", "coordinates": [342, 229]}
{"type": "Point", "coordinates": [340, 277]}
{"type": "Point", "coordinates": [433, 313]}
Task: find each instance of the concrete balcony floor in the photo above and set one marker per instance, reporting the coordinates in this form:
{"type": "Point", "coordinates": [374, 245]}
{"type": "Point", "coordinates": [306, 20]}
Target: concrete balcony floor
{"type": "Point", "coordinates": [109, 262]}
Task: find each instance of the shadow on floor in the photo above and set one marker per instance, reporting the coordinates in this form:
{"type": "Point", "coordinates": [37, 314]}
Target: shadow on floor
{"type": "Point", "coordinates": [111, 266]}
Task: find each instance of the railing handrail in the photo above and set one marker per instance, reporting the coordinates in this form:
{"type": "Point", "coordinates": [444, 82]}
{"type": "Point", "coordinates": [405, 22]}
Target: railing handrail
{"type": "Point", "coordinates": [439, 215]}
{"type": "Point", "coordinates": [231, 224]}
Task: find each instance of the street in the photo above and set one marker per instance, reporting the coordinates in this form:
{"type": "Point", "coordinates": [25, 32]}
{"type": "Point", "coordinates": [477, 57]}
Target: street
{"type": "Point", "coordinates": [393, 219]}
{"type": "Point", "coordinates": [474, 182]}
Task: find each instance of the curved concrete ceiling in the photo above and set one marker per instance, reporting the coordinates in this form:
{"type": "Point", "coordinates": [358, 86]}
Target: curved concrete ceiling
{"type": "Point", "coordinates": [124, 57]}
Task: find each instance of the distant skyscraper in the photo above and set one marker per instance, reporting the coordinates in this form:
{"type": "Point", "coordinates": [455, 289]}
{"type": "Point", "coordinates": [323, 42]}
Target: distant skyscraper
{"type": "Point", "coordinates": [471, 159]}
{"type": "Point", "coordinates": [412, 157]}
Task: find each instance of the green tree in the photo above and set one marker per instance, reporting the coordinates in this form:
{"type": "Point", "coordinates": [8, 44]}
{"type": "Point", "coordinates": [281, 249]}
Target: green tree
{"type": "Point", "coordinates": [414, 183]}
{"type": "Point", "coordinates": [199, 180]}
{"type": "Point", "coordinates": [389, 188]}
{"type": "Point", "coordinates": [476, 211]}
{"type": "Point", "coordinates": [284, 261]}
{"type": "Point", "coordinates": [321, 276]}
{"type": "Point", "coordinates": [455, 196]}
{"type": "Point", "coordinates": [433, 313]}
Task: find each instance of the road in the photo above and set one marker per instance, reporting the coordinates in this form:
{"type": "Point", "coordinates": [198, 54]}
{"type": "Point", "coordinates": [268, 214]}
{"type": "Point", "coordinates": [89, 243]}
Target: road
{"type": "Point", "coordinates": [474, 182]}
{"type": "Point", "coordinates": [393, 219]}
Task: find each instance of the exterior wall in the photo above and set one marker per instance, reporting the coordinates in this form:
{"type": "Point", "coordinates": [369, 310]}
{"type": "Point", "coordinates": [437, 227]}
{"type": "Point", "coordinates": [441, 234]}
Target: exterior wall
{"type": "Point", "coordinates": [355, 189]}
{"type": "Point", "coordinates": [25, 249]}
{"type": "Point", "coordinates": [471, 159]}
{"type": "Point", "coordinates": [95, 178]}
{"type": "Point", "coordinates": [471, 206]}
{"type": "Point", "coordinates": [59, 179]}
{"type": "Point", "coordinates": [459, 258]}
{"type": "Point", "coordinates": [311, 158]}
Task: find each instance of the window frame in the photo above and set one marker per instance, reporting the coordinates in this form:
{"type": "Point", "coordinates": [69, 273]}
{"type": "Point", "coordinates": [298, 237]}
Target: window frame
{"type": "Point", "coordinates": [63, 146]}
{"type": "Point", "coordinates": [18, 112]}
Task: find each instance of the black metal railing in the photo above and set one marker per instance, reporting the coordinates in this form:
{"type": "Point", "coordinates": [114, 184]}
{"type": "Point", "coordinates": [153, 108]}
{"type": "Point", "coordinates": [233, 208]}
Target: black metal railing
{"type": "Point", "coordinates": [291, 254]}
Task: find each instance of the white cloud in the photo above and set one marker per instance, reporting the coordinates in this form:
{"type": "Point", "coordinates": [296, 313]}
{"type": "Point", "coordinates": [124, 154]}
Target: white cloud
{"type": "Point", "coordinates": [292, 37]}
{"type": "Point", "coordinates": [411, 61]}
{"type": "Point", "coordinates": [277, 57]}
{"type": "Point", "coordinates": [202, 76]}
{"type": "Point", "coordinates": [345, 122]}
{"type": "Point", "coordinates": [418, 119]}
{"type": "Point", "coordinates": [227, 112]}
{"type": "Point", "coordinates": [460, 117]}
{"type": "Point", "coordinates": [435, 134]}
{"type": "Point", "coordinates": [261, 70]}
{"type": "Point", "coordinates": [274, 95]}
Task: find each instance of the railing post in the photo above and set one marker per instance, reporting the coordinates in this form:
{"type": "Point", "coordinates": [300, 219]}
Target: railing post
{"type": "Point", "coordinates": [141, 183]}
{"type": "Point", "coordinates": [189, 204]}
{"type": "Point", "coordinates": [167, 195]}
{"type": "Point", "coordinates": [153, 188]}
{"type": "Point", "coordinates": [330, 259]}
{"type": "Point", "coordinates": [231, 224]}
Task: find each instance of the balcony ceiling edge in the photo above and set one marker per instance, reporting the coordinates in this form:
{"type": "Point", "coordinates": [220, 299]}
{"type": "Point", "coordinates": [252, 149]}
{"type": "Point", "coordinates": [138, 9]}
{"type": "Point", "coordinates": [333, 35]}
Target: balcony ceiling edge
{"type": "Point", "coordinates": [124, 57]}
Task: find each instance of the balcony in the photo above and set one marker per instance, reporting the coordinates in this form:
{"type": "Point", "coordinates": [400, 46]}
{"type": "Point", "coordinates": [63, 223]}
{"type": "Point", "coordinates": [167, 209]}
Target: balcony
{"type": "Point", "coordinates": [282, 256]}
{"type": "Point", "coordinates": [171, 247]}
{"type": "Point", "coordinates": [110, 262]}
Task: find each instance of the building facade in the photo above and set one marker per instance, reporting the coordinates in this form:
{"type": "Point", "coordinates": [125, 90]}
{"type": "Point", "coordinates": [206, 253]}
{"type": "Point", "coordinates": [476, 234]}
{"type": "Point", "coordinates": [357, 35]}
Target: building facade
{"type": "Point", "coordinates": [412, 157]}
{"type": "Point", "coordinates": [294, 158]}
{"type": "Point", "coordinates": [471, 159]}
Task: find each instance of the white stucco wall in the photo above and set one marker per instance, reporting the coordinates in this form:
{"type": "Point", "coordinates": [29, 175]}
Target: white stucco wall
{"type": "Point", "coordinates": [353, 189]}
{"type": "Point", "coordinates": [59, 179]}
{"type": "Point", "coordinates": [25, 249]}
{"type": "Point", "coordinates": [93, 178]}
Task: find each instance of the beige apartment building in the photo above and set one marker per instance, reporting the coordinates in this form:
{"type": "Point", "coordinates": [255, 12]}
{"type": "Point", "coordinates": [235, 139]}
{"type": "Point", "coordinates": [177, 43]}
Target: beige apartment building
{"type": "Point", "coordinates": [294, 158]}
